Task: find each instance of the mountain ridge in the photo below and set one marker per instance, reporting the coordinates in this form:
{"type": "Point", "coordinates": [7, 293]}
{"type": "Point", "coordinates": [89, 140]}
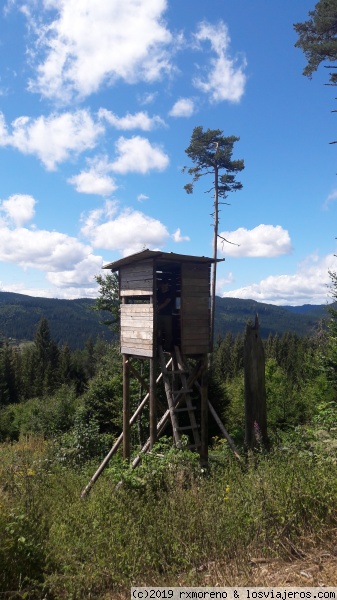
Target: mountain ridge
{"type": "Point", "coordinates": [74, 321]}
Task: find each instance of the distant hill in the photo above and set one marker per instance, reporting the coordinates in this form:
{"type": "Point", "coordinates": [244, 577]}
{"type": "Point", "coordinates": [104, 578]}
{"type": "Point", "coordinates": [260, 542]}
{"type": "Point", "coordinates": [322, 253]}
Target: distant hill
{"type": "Point", "coordinates": [74, 321]}
{"type": "Point", "coordinates": [71, 321]}
{"type": "Point", "coordinates": [232, 314]}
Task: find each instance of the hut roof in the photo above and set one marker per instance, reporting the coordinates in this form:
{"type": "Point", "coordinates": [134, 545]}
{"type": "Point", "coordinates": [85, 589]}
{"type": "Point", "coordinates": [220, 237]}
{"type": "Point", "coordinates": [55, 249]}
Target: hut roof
{"type": "Point", "coordinates": [161, 259]}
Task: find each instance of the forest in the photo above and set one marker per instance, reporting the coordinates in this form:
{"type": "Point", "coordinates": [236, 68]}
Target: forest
{"type": "Point", "coordinates": [60, 412]}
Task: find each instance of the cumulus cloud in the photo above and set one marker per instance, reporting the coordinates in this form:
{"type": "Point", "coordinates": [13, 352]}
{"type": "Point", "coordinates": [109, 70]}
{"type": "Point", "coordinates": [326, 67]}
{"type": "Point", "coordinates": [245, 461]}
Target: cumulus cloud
{"type": "Point", "coordinates": [62, 257]}
{"type": "Point", "coordinates": [262, 241]}
{"type": "Point", "coordinates": [307, 286]}
{"type": "Point", "coordinates": [184, 107]}
{"type": "Point", "coordinates": [93, 43]}
{"type": "Point", "coordinates": [142, 197]}
{"type": "Point", "coordinates": [52, 139]}
{"type": "Point", "coordinates": [96, 179]}
{"type": "Point", "coordinates": [82, 275]}
{"type": "Point", "coordinates": [19, 208]}
{"type": "Point", "coordinates": [138, 155]}
{"type": "Point", "coordinates": [127, 231]}
{"type": "Point", "coordinates": [42, 249]}
{"type": "Point", "coordinates": [140, 120]}
{"type": "Point", "coordinates": [225, 78]}
{"type": "Point", "coordinates": [180, 238]}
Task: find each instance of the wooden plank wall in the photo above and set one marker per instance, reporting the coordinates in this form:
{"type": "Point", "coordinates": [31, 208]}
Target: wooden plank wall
{"type": "Point", "coordinates": [137, 329]}
{"type": "Point", "coordinates": [137, 280]}
{"type": "Point", "coordinates": [195, 311]}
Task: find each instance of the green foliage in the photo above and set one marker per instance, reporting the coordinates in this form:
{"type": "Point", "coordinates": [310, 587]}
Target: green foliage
{"type": "Point", "coordinates": [53, 544]}
{"type": "Point", "coordinates": [329, 354]}
{"type": "Point", "coordinates": [318, 37]}
{"type": "Point", "coordinates": [212, 152]}
{"type": "Point", "coordinates": [108, 299]}
{"type": "Point", "coordinates": [82, 443]}
{"type": "Point", "coordinates": [46, 416]}
{"type": "Point", "coordinates": [70, 321]}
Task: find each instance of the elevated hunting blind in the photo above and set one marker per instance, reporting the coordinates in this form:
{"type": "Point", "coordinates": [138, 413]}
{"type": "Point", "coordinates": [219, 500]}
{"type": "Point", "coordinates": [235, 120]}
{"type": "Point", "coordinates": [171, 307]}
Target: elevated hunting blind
{"type": "Point", "coordinates": [165, 302]}
{"type": "Point", "coordinates": [165, 318]}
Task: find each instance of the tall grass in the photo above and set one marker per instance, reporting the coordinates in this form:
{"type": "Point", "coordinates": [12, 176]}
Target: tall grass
{"type": "Point", "coordinates": [166, 519]}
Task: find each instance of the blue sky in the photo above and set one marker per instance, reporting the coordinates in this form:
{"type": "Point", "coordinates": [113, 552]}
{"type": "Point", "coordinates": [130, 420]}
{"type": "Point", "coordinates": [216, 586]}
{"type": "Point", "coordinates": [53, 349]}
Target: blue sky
{"type": "Point", "coordinates": [98, 101]}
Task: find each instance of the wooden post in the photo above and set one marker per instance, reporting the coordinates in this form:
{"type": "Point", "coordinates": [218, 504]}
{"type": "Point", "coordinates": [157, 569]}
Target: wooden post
{"type": "Point", "coordinates": [126, 407]}
{"type": "Point", "coordinates": [204, 414]}
{"type": "Point", "coordinates": [255, 388]}
{"type": "Point", "coordinates": [153, 403]}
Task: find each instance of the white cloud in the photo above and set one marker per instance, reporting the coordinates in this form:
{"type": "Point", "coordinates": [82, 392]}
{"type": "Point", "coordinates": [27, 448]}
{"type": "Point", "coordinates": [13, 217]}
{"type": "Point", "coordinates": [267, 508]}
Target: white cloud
{"type": "Point", "coordinates": [19, 208]}
{"type": "Point", "coordinates": [137, 155]}
{"type": "Point", "coordinates": [226, 79]}
{"type": "Point", "coordinates": [52, 139]}
{"type": "Point", "coordinates": [93, 43]}
{"type": "Point", "coordinates": [69, 293]}
{"type": "Point", "coordinates": [128, 231]}
{"type": "Point", "coordinates": [81, 276]}
{"type": "Point", "coordinates": [180, 238]}
{"type": "Point", "coordinates": [331, 198]}
{"type": "Point", "coordinates": [307, 286]}
{"type": "Point", "coordinates": [95, 180]}
{"type": "Point", "coordinates": [222, 281]}
{"type": "Point", "coordinates": [142, 197]}
{"type": "Point", "coordinates": [148, 98]}
{"type": "Point", "coordinates": [140, 120]}
{"type": "Point", "coordinates": [44, 250]}
{"type": "Point", "coordinates": [68, 263]}
{"type": "Point", "coordinates": [184, 107]}
{"type": "Point", "coordinates": [262, 241]}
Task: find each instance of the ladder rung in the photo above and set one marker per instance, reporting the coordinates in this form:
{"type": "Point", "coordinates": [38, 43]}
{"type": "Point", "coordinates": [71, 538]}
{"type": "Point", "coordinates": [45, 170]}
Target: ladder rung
{"type": "Point", "coordinates": [186, 427]}
{"type": "Point", "coordinates": [179, 372]}
{"type": "Point", "coordinates": [185, 409]}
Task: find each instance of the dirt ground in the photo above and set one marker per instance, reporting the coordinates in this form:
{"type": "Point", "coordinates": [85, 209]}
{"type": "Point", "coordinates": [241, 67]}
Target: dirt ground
{"type": "Point", "coordinates": [315, 568]}
{"type": "Point", "coordinates": [310, 567]}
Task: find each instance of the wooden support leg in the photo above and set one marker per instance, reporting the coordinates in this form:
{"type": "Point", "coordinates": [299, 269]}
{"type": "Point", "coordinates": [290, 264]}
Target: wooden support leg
{"type": "Point", "coordinates": [153, 403]}
{"type": "Point", "coordinates": [204, 415]}
{"type": "Point", "coordinates": [126, 408]}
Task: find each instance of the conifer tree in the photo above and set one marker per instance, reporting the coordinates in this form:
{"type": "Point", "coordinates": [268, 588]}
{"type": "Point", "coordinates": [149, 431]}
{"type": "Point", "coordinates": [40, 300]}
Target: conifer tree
{"type": "Point", "coordinates": [318, 37]}
{"type": "Point", "coordinates": [330, 353]}
{"type": "Point", "coordinates": [211, 154]}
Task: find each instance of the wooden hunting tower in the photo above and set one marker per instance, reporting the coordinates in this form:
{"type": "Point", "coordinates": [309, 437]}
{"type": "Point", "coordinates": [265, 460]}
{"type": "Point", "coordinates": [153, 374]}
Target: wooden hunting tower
{"type": "Point", "coordinates": [147, 280]}
{"type": "Point", "coordinates": [165, 318]}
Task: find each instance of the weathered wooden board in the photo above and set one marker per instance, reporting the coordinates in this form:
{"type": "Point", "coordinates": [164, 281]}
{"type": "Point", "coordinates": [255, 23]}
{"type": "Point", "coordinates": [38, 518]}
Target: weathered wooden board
{"type": "Point", "coordinates": [137, 324]}
{"type": "Point", "coordinates": [134, 292]}
{"type": "Point", "coordinates": [196, 333]}
{"type": "Point", "coordinates": [192, 349]}
{"type": "Point", "coordinates": [132, 343]}
{"type": "Point", "coordinates": [137, 351]}
{"type": "Point", "coordinates": [137, 329]}
{"type": "Point", "coordinates": [136, 334]}
{"type": "Point", "coordinates": [136, 279]}
{"type": "Point", "coordinates": [195, 314]}
{"type": "Point", "coordinates": [134, 309]}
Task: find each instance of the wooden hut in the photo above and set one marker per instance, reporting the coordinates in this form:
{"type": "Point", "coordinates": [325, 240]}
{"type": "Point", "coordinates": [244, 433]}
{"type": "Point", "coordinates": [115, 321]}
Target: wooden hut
{"type": "Point", "coordinates": [165, 318]}
{"type": "Point", "coordinates": [142, 277]}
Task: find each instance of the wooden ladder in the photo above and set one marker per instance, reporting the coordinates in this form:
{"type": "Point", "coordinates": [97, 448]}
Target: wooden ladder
{"type": "Point", "coordinates": [179, 399]}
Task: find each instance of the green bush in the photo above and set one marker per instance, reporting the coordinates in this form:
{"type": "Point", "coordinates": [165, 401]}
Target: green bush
{"type": "Point", "coordinates": [167, 517]}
